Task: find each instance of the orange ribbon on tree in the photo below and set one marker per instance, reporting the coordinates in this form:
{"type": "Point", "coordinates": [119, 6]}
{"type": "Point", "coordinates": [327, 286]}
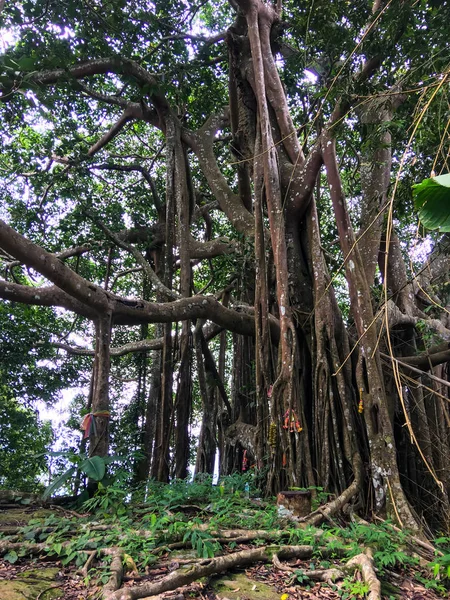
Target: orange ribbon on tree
{"type": "Point", "coordinates": [88, 423]}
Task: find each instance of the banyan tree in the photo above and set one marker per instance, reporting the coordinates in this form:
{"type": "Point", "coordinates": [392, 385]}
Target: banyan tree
{"type": "Point", "coordinates": [216, 198]}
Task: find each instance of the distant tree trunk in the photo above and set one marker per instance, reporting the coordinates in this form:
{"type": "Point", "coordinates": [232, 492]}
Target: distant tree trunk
{"type": "Point", "coordinates": [152, 414]}
{"type": "Point", "coordinates": [183, 404]}
{"type": "Point", "coordinates": [160, 466]}
{"type": "Point", "coordinates": [99, 437]}
{"type": "Point", "coordinates": [207, 441]}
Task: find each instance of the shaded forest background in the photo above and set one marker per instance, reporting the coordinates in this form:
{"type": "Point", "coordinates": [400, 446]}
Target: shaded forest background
{"type": "Point", "coordinates": [208, 227]}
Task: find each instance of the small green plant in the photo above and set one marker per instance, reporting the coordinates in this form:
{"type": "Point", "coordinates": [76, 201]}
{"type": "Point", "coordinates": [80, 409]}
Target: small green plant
{"type": "Point", "coordinates": [93, 467]}
{"type": "Point", "coordinates": [351, 588]}
{"type": "Point", "coordinates": [431, 584]}
{"type": "Point", "coordinates": [109, 500]}
{"type": "Point", "coordinates": [202, 543]}
{"type": "Point", "coordinates": [11, 557]}
{"type": "Point", "coordinates": [301, 577]}
{"type": "Point", "coordinates": [441, 566]}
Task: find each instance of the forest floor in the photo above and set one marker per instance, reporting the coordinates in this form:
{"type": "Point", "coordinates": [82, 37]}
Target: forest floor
{"type": "Point", "coordinates": [189, 541]}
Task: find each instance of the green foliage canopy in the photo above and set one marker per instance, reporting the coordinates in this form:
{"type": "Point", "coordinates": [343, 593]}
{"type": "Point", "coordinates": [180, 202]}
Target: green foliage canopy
{"type": "Point", "coordinates": [24, 440]}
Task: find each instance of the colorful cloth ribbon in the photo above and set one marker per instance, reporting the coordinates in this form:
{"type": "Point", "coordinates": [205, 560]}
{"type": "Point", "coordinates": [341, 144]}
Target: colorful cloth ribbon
{"type": "Point", "coordinates": [292, 422]}
{"type": "Point", "coordinates": [244, 461]}
{"type": "Point", "coordinates": [88, 422]}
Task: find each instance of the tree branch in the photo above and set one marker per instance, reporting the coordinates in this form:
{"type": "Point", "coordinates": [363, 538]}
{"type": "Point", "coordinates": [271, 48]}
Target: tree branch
{"type": "Point", "coordinates": [43, 296]}
{"type": "Point", "coordinates": [52, 268]}
{"type": "Point", "coordinates": [149, 272]}
{"type": "Point", "coordinates": [201, 142]}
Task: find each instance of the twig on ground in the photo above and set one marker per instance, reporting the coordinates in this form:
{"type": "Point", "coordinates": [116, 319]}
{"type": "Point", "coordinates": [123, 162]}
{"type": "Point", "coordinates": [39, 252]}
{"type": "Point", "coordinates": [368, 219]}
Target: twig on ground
{"type": "Point", "coordinates": [85, 569]}
{"type": "Point", "coordinates": [52, 587]}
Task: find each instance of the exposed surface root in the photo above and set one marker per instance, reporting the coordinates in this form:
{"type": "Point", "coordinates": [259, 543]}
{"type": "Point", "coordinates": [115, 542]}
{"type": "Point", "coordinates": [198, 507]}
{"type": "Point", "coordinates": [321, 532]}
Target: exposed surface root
{"type": "Point", "coordinates": [364, 562]}
{"type": "Point", "coordinates": [115, 579]}
{"type": "Point", "coordinates": [209, 567]}
{"type": "Point", "coordinates": [327, 575]}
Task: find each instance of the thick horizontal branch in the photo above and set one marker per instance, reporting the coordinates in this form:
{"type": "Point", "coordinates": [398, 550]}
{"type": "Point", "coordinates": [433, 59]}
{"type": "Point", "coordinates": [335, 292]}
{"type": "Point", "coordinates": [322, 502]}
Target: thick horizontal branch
{"type": "Point", "coordinates": [97, 299]}
{"type": "Point", "coordinates": [140, 346]}
{"type": "Point", "coordinates": [197, 307]}
{"type": "Point", "coordinates": [427, 361]}
{"type": "Point", "coordinates": [75, 251]}
{"type": "Point", "coordinates": [48, 265]}
{"type": "Point", "coordinates": [407, 367]}
{"type": "Point", "coordinates": [44, 296]}
{"type": "Point", "coordinates": [134, 312]}
{"type": "Point", "coordinates": [217, 247]}
{"type": "Point", "coordinates": [99, 66]}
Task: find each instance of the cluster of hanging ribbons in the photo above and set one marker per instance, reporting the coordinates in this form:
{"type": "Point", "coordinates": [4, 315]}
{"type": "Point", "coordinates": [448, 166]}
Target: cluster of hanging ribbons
{"type": "Point", "coordinates": [88, 423]}
{"type": "Point", "coordinates": [292, 422]}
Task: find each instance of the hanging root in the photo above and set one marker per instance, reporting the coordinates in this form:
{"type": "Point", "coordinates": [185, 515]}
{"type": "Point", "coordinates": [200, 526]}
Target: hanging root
{"type": "Point", "coordinates": [325, 512]}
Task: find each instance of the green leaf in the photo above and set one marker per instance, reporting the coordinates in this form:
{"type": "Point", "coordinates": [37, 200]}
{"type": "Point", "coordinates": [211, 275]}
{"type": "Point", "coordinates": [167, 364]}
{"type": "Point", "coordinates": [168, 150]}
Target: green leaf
{"type": "Point", "coordinates": [65, 561]}
{"type": "Point", "coordinates": [432, 200]}
{"type": "Point", "coordinates": [26, 63]}
{"type": "Point", "coordinates": [57, 548]}
{"type": "Point", "coordinates": [58, 482]}
{"type": "Point", "coordinates": [441, 540]}
{"type": "Point", "coordinates": [11, 557]}
{"type": "Point", "coordinates": [94, 467]}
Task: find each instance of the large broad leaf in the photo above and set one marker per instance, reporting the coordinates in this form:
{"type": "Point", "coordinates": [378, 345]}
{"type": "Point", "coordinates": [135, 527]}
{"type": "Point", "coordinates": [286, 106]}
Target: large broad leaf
{"type": "Point", "coordinates": [432, 200]}
{"type": "Point", "coordinates": [94, 467]}
{"type": "Point", "coordinates": [58, 482]}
